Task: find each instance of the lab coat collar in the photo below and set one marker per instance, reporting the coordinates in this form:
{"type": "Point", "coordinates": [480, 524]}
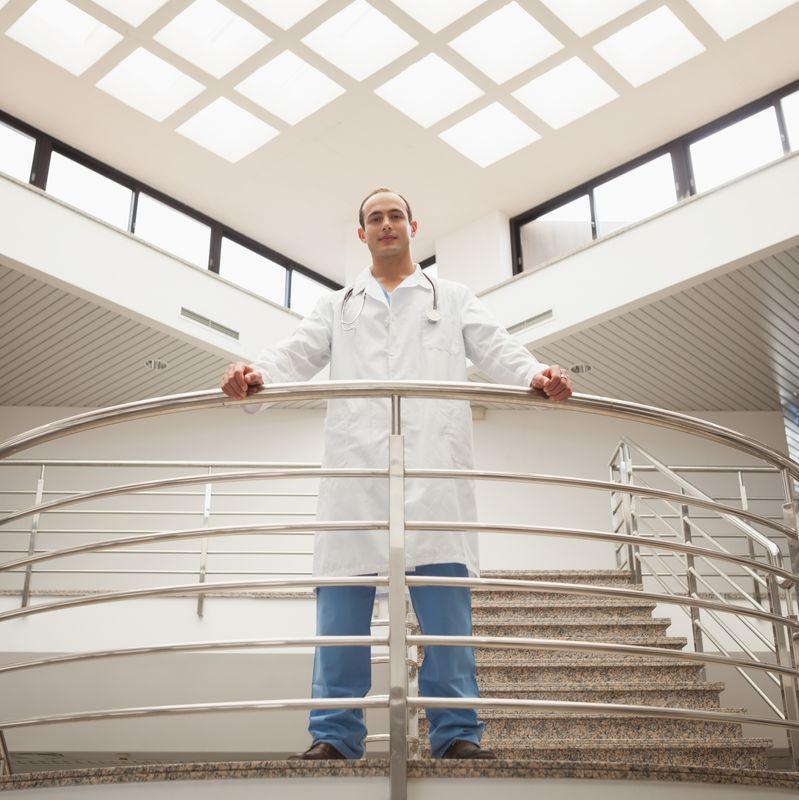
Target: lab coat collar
{"type": "Point", "coordinates": [368, 283]}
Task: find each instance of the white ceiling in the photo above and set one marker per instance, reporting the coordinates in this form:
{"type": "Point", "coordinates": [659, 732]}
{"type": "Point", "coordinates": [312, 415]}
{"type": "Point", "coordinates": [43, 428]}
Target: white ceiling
{"type": "Point", "coordinates": [299, 192]}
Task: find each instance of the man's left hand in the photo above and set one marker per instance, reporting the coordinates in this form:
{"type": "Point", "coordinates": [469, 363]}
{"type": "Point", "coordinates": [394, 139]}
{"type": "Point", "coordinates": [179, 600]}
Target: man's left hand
{"type": "Point", "coordinates": [554, 382]}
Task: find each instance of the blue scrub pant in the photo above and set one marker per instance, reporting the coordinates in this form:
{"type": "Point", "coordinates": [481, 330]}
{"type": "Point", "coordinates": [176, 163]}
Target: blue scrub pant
{"type": "Point", "coordinates": [347, 671]}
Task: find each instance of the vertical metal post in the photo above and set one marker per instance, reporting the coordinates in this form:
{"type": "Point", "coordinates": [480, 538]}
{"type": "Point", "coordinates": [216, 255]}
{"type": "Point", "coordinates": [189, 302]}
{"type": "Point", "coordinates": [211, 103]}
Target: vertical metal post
{"type": "Point", "coordinates": [790, 515]}
{"type": "Point", "coordinates": [414, 743]}
{"type": "Point", "coordinates": [690, 576]}
{"type": "Point", "coordinates": [26, 587]}
{"type": "Point", "coordinates": [204, 544]}
{"type": "Point", "coordinates": [398, 672]}
{"type": "Point", "coordinates": [630, 517]}
{"type": "Point", "coordinates": [5, 756]}
{"type": "Point", "coordinates": [613, 469]}
{"type": "Point", "coordinates": [756, 593]}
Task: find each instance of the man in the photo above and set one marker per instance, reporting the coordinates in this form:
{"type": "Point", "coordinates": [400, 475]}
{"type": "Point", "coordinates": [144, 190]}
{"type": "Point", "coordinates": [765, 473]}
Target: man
{"type": "Point", "coordinates": [395, 323]}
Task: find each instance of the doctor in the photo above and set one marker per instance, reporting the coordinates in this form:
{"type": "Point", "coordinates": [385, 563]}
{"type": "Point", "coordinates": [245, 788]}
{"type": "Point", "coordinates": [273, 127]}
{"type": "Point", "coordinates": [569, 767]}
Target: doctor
{"type": "Point", "coordinates": [395, 323]}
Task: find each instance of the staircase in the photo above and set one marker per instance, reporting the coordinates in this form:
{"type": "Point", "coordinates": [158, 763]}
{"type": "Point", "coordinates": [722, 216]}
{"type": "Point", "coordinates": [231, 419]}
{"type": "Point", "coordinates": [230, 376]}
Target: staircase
{"type": "Point", "coordinates": [600, 678]}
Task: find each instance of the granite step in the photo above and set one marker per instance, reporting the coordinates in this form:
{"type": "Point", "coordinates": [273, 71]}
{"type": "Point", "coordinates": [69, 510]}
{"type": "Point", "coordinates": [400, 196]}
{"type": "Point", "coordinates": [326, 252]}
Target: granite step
{"type": "Point", "coordinates": [729, 753]}
{"type": "Point", "coordinates": [675, 695]}
{"type": "Point", "coordinates": [523, 725]}
{"type": "Point", "coordinates": [612, 578]}
{"type": "Point", "coordinates": [597, 630]}
{"type": "Point", "coordinates": [530, 609]}
{"type": "Point", "coordinates": [595, 670]}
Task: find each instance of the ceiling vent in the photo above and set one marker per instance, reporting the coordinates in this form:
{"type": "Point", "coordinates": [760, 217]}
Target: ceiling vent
{"type": "Point", "coordinates": [209, 323]}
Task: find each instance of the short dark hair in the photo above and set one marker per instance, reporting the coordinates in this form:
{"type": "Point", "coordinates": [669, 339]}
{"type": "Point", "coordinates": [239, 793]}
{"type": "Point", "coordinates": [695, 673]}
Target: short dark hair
{"type": "Point", "coordinates": [379, 191]}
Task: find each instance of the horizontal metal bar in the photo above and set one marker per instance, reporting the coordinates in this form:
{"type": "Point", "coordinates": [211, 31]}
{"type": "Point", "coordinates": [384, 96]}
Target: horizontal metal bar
{"type": "Point", "coordinates": [375, 701]}
{"type": "Point", "coordinates": [486, 393]}
{"type": "Point", "coordinates": [168, 513]}
{"type": "Point", "coordinates": [72, 462]}
{"type": "Point", "coordinates": [187, 480]}
{"type": "Point", "coordinates": [196, 533]}
{"type": "Point", "coordinates": [159, 572]}
{"type": "Point", "coordinates": [183, 552]}
{"type": "Point", "coordinates": [615, 709]}
{"type": "Point", "coordinates": [708, 469]}
{"type": "Point", "coordinates": [191, 588]}
{"type": "Point", "coordinates": [520, 643]}
{"type": "Point", "coordinates": [199, 647]}
{"type": "Point", "coordinates": [644, 492]}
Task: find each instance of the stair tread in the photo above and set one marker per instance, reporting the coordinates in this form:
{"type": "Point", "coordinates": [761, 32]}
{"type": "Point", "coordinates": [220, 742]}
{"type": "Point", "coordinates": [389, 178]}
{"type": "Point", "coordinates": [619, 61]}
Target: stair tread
{"type": "Point", "coordinates": [716, 686]}
{"type": "Point", "coordinates": [613, 744]}
{"type": "Point", "coordinates": [575, 622]}
{"type": "Point", "coordinates": [499, 713]}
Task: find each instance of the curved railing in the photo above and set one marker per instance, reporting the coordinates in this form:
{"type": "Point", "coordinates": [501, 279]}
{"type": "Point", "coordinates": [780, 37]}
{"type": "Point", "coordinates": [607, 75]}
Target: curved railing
{"type": "Point", "coordinates": [778, 575]}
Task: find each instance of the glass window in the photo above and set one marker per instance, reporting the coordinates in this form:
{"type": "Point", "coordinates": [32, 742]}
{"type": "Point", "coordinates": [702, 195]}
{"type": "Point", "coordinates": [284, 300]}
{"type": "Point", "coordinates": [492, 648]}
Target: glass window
{"type": "Point", "coordinates": [790, 110]}
{"type": "Point", "coordinates": [735, 150]}
{"type": "Point", "coordinates": [305, 292]}
{"type": "Point", "coordinates": [16, 152]}
{"type": "Point", "coordinates": [173, 231]}
{"type": "Point", "coordinates": [557, 232]}
{"type": "Point", "coordinates": [252, 271]}
{"type": "Point", "coordinates": [635, 195]}
{"type": "Point", "coordinates": [88, 190]}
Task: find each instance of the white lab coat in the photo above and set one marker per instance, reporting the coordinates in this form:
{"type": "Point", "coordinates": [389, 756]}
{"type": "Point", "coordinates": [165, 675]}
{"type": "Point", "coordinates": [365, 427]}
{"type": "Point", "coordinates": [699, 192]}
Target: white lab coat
{"type": "Point", "coordinates": [397, 342]}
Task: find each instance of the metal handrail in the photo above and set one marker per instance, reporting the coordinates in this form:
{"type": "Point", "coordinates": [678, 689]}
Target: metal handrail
{"type": "Point", "coordinates": [398, 639]}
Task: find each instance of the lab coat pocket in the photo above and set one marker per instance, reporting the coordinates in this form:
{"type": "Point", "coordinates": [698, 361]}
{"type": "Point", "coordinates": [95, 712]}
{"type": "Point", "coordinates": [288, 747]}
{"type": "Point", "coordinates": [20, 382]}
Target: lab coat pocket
{"type": "Point", "coordinates": [444, 335]}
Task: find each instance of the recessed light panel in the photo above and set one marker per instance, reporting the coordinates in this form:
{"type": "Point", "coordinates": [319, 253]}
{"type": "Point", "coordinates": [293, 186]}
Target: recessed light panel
{"type": "Point", "coordinates": [289, 87]}
{"type": "Point", "coordinates": [284, 13]}
{"type": "Point", "coordinates": [650, 47]}
{"type": "Point", "coordinates": [429, 90]}
{"type": "Point", "coordinates": [584, 16]}
{"type": "Point", "coordinates": [211, 36]}
{"type": "Point", "coordinates": [227, 130]}
{"type": "Point", "coordinates": [359, 40]}
{"type": "Point", "coordinates": [729, 19]}
{"type": "Point", "coordinates": [489, 135]}
{"type": "Point", "coordinates": [134, 13]}
{"type": "Point", "coordinates": [507, 42]}
{"type": "Point", "coordinates": [150, 85]}
{"type": "Point", "coordinates": [436, 15]}
{"type": "Point", "coordinates": [565, 93]}
{"type": "Point", "coordinates": [64, 34]}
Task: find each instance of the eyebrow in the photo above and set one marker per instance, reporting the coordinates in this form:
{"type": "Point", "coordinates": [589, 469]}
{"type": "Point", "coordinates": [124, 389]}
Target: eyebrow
{"type": "Point", "coordinates": [390, 211]}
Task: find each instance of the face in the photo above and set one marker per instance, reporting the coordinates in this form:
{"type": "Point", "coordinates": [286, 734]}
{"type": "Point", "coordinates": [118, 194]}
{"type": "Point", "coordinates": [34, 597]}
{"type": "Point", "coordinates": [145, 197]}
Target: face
{"type": "Point", "coordinates": [387, 230]}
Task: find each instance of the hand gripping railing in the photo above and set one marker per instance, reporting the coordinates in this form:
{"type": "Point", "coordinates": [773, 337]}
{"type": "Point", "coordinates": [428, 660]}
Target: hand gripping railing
{"type": "Point", "coordinates": [779, 580]}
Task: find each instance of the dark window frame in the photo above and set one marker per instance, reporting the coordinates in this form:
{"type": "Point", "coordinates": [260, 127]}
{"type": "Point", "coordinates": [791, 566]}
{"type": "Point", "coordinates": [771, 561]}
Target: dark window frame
{"type": "Point", "coordinates": [46, 145]}
{"type": "Point", "coordinates": [678, 148]}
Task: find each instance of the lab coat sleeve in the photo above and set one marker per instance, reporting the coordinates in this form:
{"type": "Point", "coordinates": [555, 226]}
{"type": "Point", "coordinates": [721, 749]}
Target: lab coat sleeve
{"type": "Point", "coordinates": [492, 349]}
{"type": "Point", "coordinates": [301, 355]}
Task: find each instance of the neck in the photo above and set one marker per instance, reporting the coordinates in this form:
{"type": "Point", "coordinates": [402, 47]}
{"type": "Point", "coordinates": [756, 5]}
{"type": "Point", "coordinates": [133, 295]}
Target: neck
{"type": "Point", "coordinates": [392, 271]}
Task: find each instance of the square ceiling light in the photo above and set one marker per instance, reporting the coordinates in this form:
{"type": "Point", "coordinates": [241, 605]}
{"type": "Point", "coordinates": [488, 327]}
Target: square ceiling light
{"type": "Point", "coordinates": [359, 40]}
{"type": "Point", "coordinates": [150, 85]}
{"type": "Point", "coordinates": [649, 47]}
{"type": "Point", "coordinates": [429, 90]}
{"type": "Point", "coordinates": [489, 135]}
{"type": "Point", "coordinates": [436, 15]}
{"type": "Point", "coordinates": [565, 93]}
{"type": "Point", "coordinates": [63, 34]}
{"type": "Point", "coordinates": [505, 43]}
{"type": "Point", "coordinates": [584, 16]}
{"type": "Point", "coordinates": [729, 19]}
{"type": "Point", "coordinates": [133, 13]}
{"type": "Point", "coordinates": [212, 37]}
{"type": "Point", "coordinates": [284, 13]}
{"type": "Point", "coordinates": [227, 130]}
{"type": "Point", "coordinates": [289, 88]}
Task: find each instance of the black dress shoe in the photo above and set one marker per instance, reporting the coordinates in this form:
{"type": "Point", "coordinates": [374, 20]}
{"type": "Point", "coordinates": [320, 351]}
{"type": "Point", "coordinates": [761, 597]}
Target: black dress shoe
{"type": "Point", "coordinates": [462, 748]}
{"type": "Point", "coordinates": [319, 751]}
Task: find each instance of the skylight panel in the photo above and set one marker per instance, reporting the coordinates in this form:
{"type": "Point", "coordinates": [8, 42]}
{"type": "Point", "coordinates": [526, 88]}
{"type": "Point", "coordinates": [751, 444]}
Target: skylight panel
{"type": "Point", "coordinates": [227, 130]}
{"type": "Point", "coordinates": [565, 93]}
{"type": "Point", "coordinates": [729, 19]}
{"type": "Point", "coordinates": [284, 13]}
{"type": "Point", "coordinates": [134, 13]}
{"type": "Point", "coordinates": [212, 37]}
{"type": "Point", "coordinates": [649, 47]}
{"type": "Point", "coordinates": [505, 43]}
{"type": "Point", "coordinates": [289, 88]}
{"type": "Point", "coordinates": [489, 135]}
{"type": "Point", "coordinates": [429, 90]}
{"type": "Point", "coordinates": [63, 34]}
{"type": "Point", "coordinates": [584, 16]}
{"type": "Point", "coordinates": [359, 40]}
{"type": "Point", "coordinates": [150, 85]}
{"type": "Point", "coordinates": [436, 15]}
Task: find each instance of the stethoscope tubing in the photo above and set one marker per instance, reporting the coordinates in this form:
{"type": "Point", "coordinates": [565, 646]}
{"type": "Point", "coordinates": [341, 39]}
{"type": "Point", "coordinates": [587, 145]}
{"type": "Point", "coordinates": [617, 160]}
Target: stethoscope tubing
{"type": "Point", "coordinates": [433, 315]}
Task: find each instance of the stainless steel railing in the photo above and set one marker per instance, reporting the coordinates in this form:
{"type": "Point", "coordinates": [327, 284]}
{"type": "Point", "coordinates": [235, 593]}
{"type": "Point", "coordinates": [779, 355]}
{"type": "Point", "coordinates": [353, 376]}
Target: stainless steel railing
{"type": "Point", "coordinates": [777, 573]}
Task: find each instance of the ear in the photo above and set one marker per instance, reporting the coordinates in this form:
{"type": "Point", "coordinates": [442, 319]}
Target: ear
{"type": "Point", "coordinates": [413, 227]}
{"type": "Point", "coordinates": [362, 235]}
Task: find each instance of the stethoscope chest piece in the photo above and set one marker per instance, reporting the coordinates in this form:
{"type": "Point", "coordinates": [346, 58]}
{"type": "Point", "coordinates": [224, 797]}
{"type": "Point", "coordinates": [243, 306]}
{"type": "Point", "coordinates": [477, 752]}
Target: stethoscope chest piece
{"type": "Point", "coordinates": [433, 315]}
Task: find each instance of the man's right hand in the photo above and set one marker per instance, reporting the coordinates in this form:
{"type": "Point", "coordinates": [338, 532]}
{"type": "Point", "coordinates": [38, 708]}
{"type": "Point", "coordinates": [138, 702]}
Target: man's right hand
{"type": "Point", "coordinates": [239, 378]}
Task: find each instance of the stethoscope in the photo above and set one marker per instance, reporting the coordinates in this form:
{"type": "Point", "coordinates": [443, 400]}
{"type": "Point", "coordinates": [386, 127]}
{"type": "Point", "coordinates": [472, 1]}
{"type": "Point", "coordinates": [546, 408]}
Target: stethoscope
{"type": "Point", "coordinates": [433, 314]}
